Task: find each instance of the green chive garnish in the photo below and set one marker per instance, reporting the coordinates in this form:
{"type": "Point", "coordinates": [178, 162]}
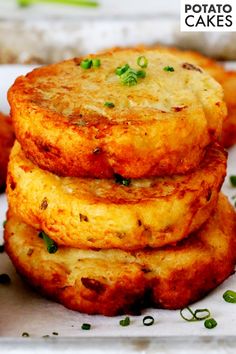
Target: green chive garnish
{"type": "Point", "coordinates": [86, 326]}
{"type": "Point", "coordinates": [194, 315]}
{"type": "Point", "coordinates": [4, 224]}
{"type": "Point", "coordinates": [5, 279]}
{"type": "Point", "coordinates": [210, 323]}
{"type": "Point", "coordinates": [142, 62]}
{"type": "Point", "coordinates": [86, 64]}
{"type": "Point", "coordinates": [25, 334]}
{"type": "Point", "coordinates": [230, 296]}
{"type": "Point", "coordinates": [169, 68]}
{"type": "Point", "coordinates": [109, 104]}
{"type": "Point", "coordinates": [121, 180]}
{"type": "Point", "coordinates": [148, 321]}
{"type": "Point", "coordinates": [233, 180]}
{"type": "Point", "coordinates": [121, 69]}
{"type": "Point", "coordinates": [125, 322]}
{"type": "Point", "coordinates": [129, 78]}
{"type": "Point", "coordinates": [96, 63]}
{"type": "Point", "coordinates": [141, 74]}
{"type": "Point", "coordinates": [50, 244]}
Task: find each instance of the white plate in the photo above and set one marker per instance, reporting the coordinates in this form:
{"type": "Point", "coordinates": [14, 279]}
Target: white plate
{"type": "Point", "coordinates": [22, 310]}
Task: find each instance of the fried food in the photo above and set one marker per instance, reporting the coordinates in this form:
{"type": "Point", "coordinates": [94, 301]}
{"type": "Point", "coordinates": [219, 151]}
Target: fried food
{"type": "Point", "coordinates": [226, 78]}
{"type": "Point", "coordinates": [6, 142]}
{"type": "Point", "coordinates": [160, 126]}
{"type": "Point", "coordinates": [112, 282]}
{"type": "Point", "coordinates": [99, 213]}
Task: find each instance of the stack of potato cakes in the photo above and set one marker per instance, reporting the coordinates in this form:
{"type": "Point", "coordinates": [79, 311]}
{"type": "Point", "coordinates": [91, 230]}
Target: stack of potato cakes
{"type": "Point", "coordinates": [113, 184]}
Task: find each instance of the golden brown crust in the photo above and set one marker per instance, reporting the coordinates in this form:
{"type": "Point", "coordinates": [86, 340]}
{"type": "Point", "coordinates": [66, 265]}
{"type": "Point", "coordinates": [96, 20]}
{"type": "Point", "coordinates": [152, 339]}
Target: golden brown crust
{"type": "Point", "coordinates": [161, 126]}
{"type": "Point", "coordinates": [90, 213]}
{"type": "Point", "coordinates": [112, 282]}
{"type": "Point", "coordinates": [6, 142]}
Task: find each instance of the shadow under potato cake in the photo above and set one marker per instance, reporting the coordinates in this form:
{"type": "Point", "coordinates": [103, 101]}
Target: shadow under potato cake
{"type": "Point", "coordinates": [111, 282]}
{"type": "Point", "coordinates": [100, 213]}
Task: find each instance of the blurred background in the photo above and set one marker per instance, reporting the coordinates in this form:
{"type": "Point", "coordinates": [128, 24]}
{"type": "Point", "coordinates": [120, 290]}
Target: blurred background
{"type": "Point", "coordinates": [40, 32]}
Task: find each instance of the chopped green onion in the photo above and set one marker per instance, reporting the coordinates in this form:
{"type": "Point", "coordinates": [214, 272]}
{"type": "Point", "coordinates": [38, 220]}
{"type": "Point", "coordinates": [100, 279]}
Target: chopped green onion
{"type": "Point", "coordinates": [169, 68]}
{"type": "Point", "coordinates": [109, 104]}
{"type": "Point", "coordinates": [194, 314]}
{"type": "Point", "coordinates": [125, 322]}
{"type": "Point", "coordinates": [5, 279]}
{"type": "Point", "coordinates": [2, 248]}
{"type": "Point", "coordinates": [230, 296]}
{"type": "Point", "coordinates": [233, 180]}
{"type": "Point", "coordinates": [142, 61]}
{"type": "Point", "coordinates": [96, 63]}
{"type": "Point", "coordinates": [141, 74]}
{"type": "Point", "coordinates": [86, 64]}
{"type": "Point", "coordinates": [4, 224]}
{"type": "Point", "coordinates": [148, 321]}
{"type": "Point", "coordinates": [121, 180]}
{"type": "Point", "coordinates": [86, 326]}
{"type": "Point", "coordinates": [121, 69]}
{"type": "Point", "coordinates": [50, 244]}
{"type": "Point", "coordinates": [129, 78]}
{"type": "Point", "coordinates": [86, 3]}
{"type": "Point", "coordinates": [210, 323]}
{"type": "Point", "coordinates": [25, 334]}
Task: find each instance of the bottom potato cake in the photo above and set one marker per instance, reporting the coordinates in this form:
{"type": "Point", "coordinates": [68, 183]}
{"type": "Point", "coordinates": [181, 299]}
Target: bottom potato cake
{"type": "Point", "coordinates": [112, 282]}
{"type": "Point", "coordinates": [100, 213]}
{"type": "Point", "coordinates": [6, 142]}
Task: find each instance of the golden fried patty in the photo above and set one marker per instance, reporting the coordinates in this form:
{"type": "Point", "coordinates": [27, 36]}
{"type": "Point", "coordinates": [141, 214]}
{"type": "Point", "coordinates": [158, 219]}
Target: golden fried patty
{"type": "Point", "coordinates": [99, 213]}
{"type": "Point", "coordinates": [160, 126]}
{"type": "Point", "coordinates": [226, 78]}
{"type": "Point", "coordinates": [6, 142]}
{"type": "Point", "coordinates": [111, 282]}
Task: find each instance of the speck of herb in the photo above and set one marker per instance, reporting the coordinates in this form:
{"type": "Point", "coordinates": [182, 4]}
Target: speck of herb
{"type": "Point", "coordinates": [142, 62]}
{"type": "Point", "coordinates": [148, 321]}
{"type": "Point", "coordinates": [86, 326]}
{"type": "Point", "coordinates": [96, 63]}
{"type": "Point", "coordinates": [5, 279]}
{"type": "Point", "coordinates": [25, 334]}
{"type": "Point", "coordinates": [194, 314]}
{"type": "Point", "coordinates": [86, 64]}
{"type": "Point", "coordinates": [109, 104]}
{"type": "Point", "coordinates": [125, 322]}
{"type": "Point", "coordinates": [141, 74]}
{"type": "Point", "coordinates": [230, 296]}
{"type": "Point", "coordinates": [4, 224]}
{"type": "Point", "coordinates": [169, 68]}
{"type": "Point", "coordinates": [2, 248]}
{"type": "Point", "coordinates": [210, 323]}
{"type": "Point", "coordinates": [121, 180]}
{"type": "Point", "coordinates": [233, 180]}
{"type": "Point", "coordinates": [50, 244]}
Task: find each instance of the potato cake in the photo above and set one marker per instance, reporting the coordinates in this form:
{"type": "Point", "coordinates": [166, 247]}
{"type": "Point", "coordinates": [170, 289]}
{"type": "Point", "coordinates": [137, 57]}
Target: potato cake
{"type": "Point", "coordinates": [111, 282]}
{"type": "Point", "coordinates": [113, 118]}
{"type": "Point", "coordinates": [6, 142]}
{"type": "Point", "coordinates": [115, 213]}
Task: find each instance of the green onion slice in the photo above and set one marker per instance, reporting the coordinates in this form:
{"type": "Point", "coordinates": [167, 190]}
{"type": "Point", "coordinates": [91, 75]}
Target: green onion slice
{"type": "Point", "coordinates": [96, 63]}
{"type": "Point", "coordinates": [109, 104]}
{"type": "Point", "coordinates": [195, 317]}
{"type": "Point", "coordinates": [50, 244]}
{"type": "Point", "coordinates": [233, 180]}
{"type": "Point", "coordinates": [121, 69]}
{"type": "Point", "coordinates": [142, 62]}
{"type": "Point", "coordinates": [210, 323]}
{"type": "Point", "coordinates": [148, 321]}
{"type": "Point", "coordinates": [169, 68]}
{"type": "Point", "coordinates": [230, 296]}
{"type": "Point", "coordinates": [86, 64]}
{"type": "Point", "coordinates": [141, 74]}
{"type": "Point", "coordinates": [125, 322]}
{"type": "Point", "coordinates": [86, 326]}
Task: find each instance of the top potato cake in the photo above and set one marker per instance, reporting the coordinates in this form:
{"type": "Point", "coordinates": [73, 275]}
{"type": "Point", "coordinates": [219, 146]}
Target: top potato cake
{"type": "Point", "coordinates": [226, 78]}
{"type": "Point", "coordinates": [159, 126]}
{"type": "Point", "coordinates": [6, 142]}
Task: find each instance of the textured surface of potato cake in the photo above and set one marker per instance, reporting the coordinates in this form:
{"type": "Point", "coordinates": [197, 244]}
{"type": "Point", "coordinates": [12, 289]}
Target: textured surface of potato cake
{"type": "Point", "coordinates": [111, 282]}
{"type": "Point", "coordinates": [101, 213]}
{"type": "Point", "coordinates": [160, 126]}
{"type": "Point", "coordinates": [226, 78]}
{"type": "Point", "coordinates": [6, 142]}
